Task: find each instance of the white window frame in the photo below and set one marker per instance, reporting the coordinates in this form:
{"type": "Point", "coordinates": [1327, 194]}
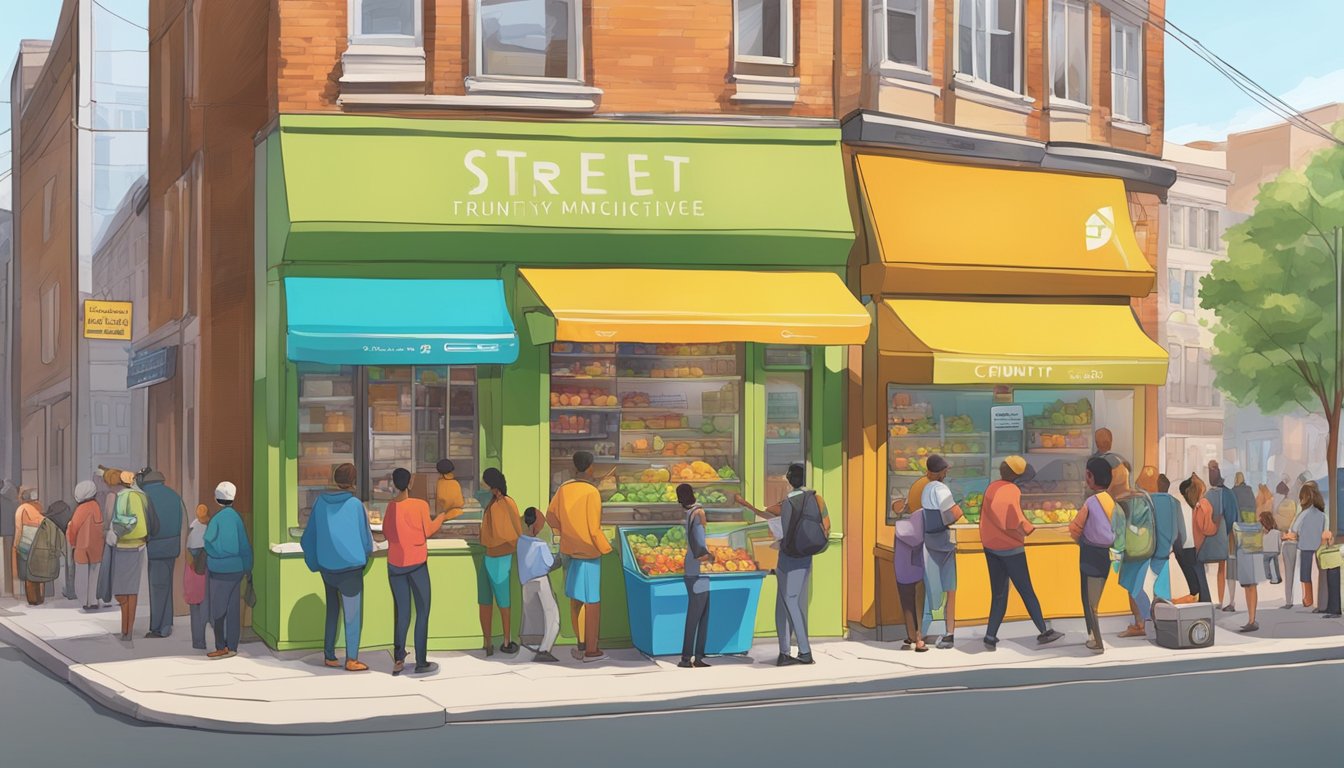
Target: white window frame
{"type": "Point", "coordinates": [880, 54]}
{"type": "Point", "coordinates": [1213, 235]}
{"type": "Point", "coordinates": [986, 82]}
{"type": "Point", "coordinates": [785, 33]}
{"type": "Point", "coordinates": [1087, 53]}
{"type": "Point", "coordinates": [574, 73]}
{"type": "Point", "coordinates": [1119, 29]}
{"type": "Point", "coordinates": [357, 36]}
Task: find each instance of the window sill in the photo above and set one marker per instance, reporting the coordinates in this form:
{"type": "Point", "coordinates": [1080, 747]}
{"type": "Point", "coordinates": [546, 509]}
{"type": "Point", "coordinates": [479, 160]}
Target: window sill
{"type": "Point", "coordinates": [1069, 106]}
{"type": "Point", "coordinates": [575, 104]}
{"type": "Point", "coordinates": [991, 95]}
{"type": "Point", "coordinates": [1132, 127]}
{"type": "Point", "coordinates": [906, 76]}
{"type": "Point", "coordinates": [374, 64]}
{"type": "Point", "coordinates": [765, 89]}
{"type": "Point", "coordinates": [526, 87]}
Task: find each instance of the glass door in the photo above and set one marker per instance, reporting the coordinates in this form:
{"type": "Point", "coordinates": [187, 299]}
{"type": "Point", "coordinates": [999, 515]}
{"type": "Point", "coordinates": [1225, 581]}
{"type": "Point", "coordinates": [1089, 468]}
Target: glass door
{"type": "Point", "coordinates": [327, 408]}
{"type": "Point", "coordinates": [462, 433]}
{"type": "Point", "coordinates": [785, 429]}
{"type": "Point", "coordinates": [389, 408]}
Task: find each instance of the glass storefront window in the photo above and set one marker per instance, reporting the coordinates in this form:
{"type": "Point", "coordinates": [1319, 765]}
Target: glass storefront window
{"type": "Point", "coordinates": [383, 417]}
{"type": "Point", "coordinates": [975, 429]}
{"type": "Point", "coordinates": [654, 416]}
{"type": "Point", "coordinates": [785, 429]}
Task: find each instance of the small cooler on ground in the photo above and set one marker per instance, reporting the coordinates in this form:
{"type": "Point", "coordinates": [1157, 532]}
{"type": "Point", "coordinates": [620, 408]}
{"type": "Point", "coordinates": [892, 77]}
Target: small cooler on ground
{"type": "Point", "coordinates": [657, 604]}
{"type": "Point", "coordinates": [1184, 626]}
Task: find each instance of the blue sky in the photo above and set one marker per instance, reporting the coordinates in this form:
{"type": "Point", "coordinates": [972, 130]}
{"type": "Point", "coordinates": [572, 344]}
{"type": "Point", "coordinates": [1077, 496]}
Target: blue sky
{"type": "Point", "coordinates": [1290, 47]}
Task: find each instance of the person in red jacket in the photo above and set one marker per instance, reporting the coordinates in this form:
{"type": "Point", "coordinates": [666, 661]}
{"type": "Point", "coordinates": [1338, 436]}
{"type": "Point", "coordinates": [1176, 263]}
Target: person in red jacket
{"type": "Point", "coordinates": [85, 534]}
{"type": "Point", "coordinates": [1003, 533]}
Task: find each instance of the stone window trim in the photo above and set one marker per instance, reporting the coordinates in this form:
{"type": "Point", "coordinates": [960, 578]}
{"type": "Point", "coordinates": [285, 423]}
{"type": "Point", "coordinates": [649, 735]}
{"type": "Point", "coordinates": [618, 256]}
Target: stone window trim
{"type": "Point", "coordinates": [571, 93]}
{"type": "Point", "coordinates": [1130, 126]}
{"type": "Point", "coordinates": [765, 89]}
{"type": "Point", "coordinates": [981, 92]}
{"type": "Point", "coordinates": [383, 59]}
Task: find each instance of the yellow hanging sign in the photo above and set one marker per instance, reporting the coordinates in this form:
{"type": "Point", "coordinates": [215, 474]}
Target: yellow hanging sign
{"type": "Point", "coordinates": [107, 320]}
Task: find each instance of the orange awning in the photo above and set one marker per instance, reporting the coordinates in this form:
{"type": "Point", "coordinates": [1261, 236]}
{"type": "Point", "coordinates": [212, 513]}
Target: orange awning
{"type": "Point", "coordinates": [943, 228]}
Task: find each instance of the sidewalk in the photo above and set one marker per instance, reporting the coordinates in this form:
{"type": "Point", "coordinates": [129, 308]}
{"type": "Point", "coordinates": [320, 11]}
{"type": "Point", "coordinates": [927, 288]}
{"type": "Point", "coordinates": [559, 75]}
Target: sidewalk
{"type": "Point", "coordinates": [259, 691]}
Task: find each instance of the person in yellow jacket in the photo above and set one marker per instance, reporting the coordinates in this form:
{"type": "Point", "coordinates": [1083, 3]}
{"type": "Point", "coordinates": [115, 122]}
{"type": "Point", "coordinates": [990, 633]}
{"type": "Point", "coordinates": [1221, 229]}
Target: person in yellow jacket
{"type": "Point", "coordinates": [576, 515]}
{"type": "Point", "coordinates": [130, 531]}
{"type": "Point", "coordinates": [500, 529]}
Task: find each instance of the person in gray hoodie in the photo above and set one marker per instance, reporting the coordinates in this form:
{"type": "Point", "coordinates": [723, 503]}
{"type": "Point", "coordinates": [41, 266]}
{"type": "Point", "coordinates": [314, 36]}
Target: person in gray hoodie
{"type": "Point", "coordinates": [337, 543]}
{"type": "Point", "coordinates": [163, 549]}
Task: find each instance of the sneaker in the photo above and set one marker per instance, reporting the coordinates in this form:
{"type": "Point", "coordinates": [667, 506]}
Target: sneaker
{"type": "Point", "coordinates": [1251, 627]}
{"type": "Point", "coordinates": [428, 668]}
{"type": "Point", "coordinates": [509, 648]}
{"type": "Point", "coordinates": [700, 664]}
{"type": "Point", "coordinates": [153, 636]}
{"type": "Point", "coordinates": [1229, 609]}
{"type": "Point", "coordinates": [1048, 636]}
{"type": "Point", "coordinates": [785, 660]}
{"type": "Point", "coordinates": [545, 657]}
{"type": "Point", "coordinates": [805, 658]}
{"type": "Point", "coordinates": [944, 642]}
{"type": "Point", "coordinates": [354, 665]}
{"type": "Point", "coordinates": [991, 643]}
{"type": "Point", "coordinates": [597, 656]}
{"type": "Point", "coordinates": [685, 664]}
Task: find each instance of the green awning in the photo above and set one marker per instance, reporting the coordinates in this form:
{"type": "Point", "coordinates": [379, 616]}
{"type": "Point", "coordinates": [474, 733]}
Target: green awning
{"type": "Point", "coordinates": [352, 188]}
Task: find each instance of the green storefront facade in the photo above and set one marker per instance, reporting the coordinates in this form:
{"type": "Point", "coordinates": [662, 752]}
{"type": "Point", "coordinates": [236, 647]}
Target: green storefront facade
{"type": "Point", "coordinates": [351, 198]}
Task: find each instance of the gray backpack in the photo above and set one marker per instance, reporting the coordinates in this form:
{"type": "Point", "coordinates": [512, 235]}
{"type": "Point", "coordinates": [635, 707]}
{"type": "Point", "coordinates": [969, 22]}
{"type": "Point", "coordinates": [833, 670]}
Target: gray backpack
{"type": "Point", "coordinates": [44, 559]}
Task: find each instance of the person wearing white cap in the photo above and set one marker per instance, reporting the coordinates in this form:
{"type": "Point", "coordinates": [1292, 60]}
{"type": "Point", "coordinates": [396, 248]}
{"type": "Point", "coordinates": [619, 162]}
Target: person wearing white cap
{"type": "Point", "coordinates": [85, 534]}
{"type": "Point", "coordinates": [228, 558]}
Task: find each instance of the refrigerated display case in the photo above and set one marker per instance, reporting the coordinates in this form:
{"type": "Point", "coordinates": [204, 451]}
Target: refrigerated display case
{"type": "Point", "coordinates": [653, 416]}
{"type": "Point", "coordinates": [328, 404]}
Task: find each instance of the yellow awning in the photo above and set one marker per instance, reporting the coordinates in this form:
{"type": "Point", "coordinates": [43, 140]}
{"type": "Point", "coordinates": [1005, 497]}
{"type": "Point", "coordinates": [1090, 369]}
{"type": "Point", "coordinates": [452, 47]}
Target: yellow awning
{"type": "Point", "coordinates": [959, 229]}
{"type": "Point", "coordinates": [690, 306]}
{"type": "Point", "coordinates": [926, 341]}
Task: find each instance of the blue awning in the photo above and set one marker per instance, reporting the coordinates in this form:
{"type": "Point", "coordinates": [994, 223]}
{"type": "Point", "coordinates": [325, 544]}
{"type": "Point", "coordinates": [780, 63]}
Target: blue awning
{"type": "Point", "coordinates": [350, 321]}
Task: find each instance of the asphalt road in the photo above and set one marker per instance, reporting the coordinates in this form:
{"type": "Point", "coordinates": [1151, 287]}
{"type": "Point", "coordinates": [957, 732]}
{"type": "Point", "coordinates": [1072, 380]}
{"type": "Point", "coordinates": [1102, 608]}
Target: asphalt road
{"type": "Point", "coordinates": [1273, 716]}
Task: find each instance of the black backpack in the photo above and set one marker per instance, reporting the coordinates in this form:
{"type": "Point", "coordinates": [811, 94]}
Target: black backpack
{"type": "Point", "coordinates": [806, 536]}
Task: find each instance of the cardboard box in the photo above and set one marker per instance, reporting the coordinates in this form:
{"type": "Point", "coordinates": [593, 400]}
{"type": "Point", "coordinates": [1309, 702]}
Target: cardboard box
{"type": "Point", "coordinates": [764, 552]}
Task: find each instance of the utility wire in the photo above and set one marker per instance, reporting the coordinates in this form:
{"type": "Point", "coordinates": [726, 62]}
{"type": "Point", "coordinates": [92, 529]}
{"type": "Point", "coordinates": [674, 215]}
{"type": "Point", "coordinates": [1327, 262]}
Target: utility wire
{"type": "Point", "coordinates": [1241, 80]}
{"type": "Point", "coordinates": [119, 16]}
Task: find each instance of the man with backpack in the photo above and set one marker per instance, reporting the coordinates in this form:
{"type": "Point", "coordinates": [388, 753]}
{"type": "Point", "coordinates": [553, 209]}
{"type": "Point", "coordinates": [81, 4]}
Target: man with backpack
{"type": "Point", "coordinates": [1144, 546]}
{"type": "Point", "coordinates": [806, 526]}
{"type": "Point", "coordinates": [165, 545]}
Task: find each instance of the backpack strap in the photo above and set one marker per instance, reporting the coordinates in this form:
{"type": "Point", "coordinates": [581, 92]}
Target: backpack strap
{"type": "Point", "coordinates": [792, 534]}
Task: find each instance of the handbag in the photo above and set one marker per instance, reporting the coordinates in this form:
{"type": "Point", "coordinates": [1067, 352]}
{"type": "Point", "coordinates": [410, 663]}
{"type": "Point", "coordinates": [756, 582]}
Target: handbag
{"type": "Point", "coordinates": [1328, 558]}
{"type": "Point", "coordinates": [250, 593]}
{"type": "Point", "coordinates": [1250, 537]}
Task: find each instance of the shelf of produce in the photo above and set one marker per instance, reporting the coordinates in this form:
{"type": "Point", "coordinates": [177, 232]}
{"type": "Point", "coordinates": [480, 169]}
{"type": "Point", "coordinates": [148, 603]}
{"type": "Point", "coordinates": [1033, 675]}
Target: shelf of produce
{"type": "Point", "coordinates": [604, 408]}
{"type": "Point", "coordinates": [964, 455]}
{"type": "Point", "coordinates": [920, 436]}
{"type": "Point", "coordinates": [572, 377]}
{"type": "Point", "coordinates": [1058, 427]}
{"type": "Point", "coordinates": [679, 433]}
{"type": "Point", "coordinates": [1062, 451]}
{"type": "Point", "coordinates": [642, 379]}
{"type": "Point", "coordinates": [676, 357]}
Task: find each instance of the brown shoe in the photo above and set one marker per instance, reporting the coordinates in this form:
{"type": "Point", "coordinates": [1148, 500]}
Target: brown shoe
{"type": "Point", "coordinates": [351, 665]}
{"type": "Point", "coordinates": [1133, 632]}
{"type": "Point", "coordinates": [397, 667]}
{"type": "Point", "coordinates": [1186, 600]}
{"type": "Point", "coordinates": [334, 664]}
{"type": "Point", "coordinates": [221, 654]}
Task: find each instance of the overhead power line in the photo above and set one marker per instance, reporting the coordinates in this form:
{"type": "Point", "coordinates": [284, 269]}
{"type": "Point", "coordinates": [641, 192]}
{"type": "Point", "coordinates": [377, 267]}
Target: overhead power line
{"type": "Point", "coordinates": [1241, 80]}
{"type": "Point", "coordinates": [119, 16]}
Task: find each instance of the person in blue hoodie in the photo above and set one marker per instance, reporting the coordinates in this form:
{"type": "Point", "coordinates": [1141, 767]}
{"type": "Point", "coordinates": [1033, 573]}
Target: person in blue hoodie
{"type": "Point", "coordinates": [337, 543]}
{"type": "Point", "coordinates": [165, 545]}
{"type": "Point", "coordinates": [228, 558]}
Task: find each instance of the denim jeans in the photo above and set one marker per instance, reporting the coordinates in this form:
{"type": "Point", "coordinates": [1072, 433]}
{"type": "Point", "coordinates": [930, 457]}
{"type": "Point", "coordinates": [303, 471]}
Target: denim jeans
{"type": "Point", "coordinates": [225, 591]}
{"type": "Point", "coordinates": [1002, 570]}
{"type": "Point", "coordinates": [345, 594]}
{"type": "Point", "coordinates": [409, 584]}
{"type": "Point", "coordinates": [697, 618]}
{"type": "Point", "coordinates": [161, 595]}
{"type": "Point", "coordinates": [791, 582]}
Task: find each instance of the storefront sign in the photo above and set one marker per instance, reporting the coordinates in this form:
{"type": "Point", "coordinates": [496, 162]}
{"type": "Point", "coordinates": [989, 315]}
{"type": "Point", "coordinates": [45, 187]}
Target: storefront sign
{"type": "Point", "coordinates": [955, 370]}
{"type": "Point", "coordinates": [576, 176]}
{"type": "Point", "coordinates": [149, 367]}
{"type": "Point", "coordinates": [107, 320]}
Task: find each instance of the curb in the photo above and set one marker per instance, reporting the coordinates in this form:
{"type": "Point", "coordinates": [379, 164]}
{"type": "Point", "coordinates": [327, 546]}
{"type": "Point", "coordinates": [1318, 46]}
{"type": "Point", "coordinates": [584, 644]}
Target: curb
{"type": "Point", "coordinates": [416, 712]}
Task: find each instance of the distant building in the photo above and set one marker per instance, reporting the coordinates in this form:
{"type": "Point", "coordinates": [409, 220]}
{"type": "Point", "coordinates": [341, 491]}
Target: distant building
{"type": "Point", "coordinates": [120, 273]}
{"type": "Point", "coordinates": [1270, 447]}
{"type": "Point", "coordinates": [1194, 218]}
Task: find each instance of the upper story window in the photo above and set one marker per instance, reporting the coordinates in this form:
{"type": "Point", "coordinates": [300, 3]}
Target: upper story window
{"type": "Point", "coordinates": [528, 38]}
{"type": "Point", "coordinates": [989, 42]}
{"type": "Point", "coordinates": [763, 31]}
{"type": "Point", "coordinates": [900, 32]}
{"type": "Point", "coordinates": [1068, 50]}
{"type": "Point", "coordinates": [1214, 237]}
{"type": "Point", "coordinates": [386, 22]}
{"type": "Point", "coordinates": [51, 322]}
{"type": "Point", "coordinates": [1126, 70]}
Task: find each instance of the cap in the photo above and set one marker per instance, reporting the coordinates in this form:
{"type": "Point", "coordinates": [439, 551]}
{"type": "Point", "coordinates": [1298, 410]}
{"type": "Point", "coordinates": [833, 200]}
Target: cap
{"type": "Point", "coordinates": [226, 491]}
{"type": "Point", "coordinates": [85, 490]}
{"type": "Point", "coordinates": [1017, 464]}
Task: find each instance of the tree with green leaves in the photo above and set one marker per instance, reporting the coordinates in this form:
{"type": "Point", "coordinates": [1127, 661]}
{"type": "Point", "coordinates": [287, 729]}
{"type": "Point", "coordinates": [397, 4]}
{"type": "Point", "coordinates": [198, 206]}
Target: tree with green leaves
{"type": "Point", "coordinates": [1275, 296]}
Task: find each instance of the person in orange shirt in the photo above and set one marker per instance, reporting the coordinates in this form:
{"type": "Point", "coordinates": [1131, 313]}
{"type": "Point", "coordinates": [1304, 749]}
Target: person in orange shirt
{"type": "Point", "coordinates": [407, 525]}
{"type": "Point", "coordinates": [575, 513]}
{"type": "Point", "coordinates": [448, 499]}
{"type": "Point", "coordinates": [26, 520]}
{"type": "Point", "coordinates": [500, 528]}
{"type": "Point", "coordinates": [85, 534]}
{"type": "Point", "coordinates": [1202, 520]}
{"type": "Point", "coordinates": [1003, 533]}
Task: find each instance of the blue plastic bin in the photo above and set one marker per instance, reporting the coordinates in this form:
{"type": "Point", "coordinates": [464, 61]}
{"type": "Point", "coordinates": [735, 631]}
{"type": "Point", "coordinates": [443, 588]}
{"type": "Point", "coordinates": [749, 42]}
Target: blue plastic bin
{"type": "Point", "coordinates": [657, 606]}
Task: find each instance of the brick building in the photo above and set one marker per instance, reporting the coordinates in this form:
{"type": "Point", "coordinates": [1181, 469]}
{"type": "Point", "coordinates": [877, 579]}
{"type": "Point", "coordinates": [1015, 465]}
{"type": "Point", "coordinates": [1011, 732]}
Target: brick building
{"type": "Point", "coordinates": [302, 148]}
{"type": "Point", "coordinates": [1005, 159]}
